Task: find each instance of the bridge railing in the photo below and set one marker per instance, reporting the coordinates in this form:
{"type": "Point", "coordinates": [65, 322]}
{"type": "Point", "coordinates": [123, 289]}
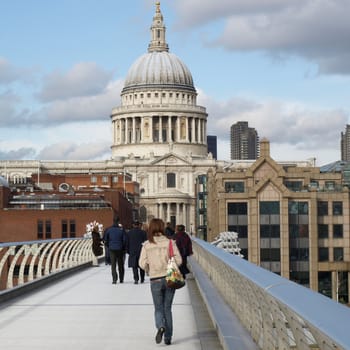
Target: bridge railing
{"type": "Point", "coordinates": [24, 262]}
{"type": "Point", "coordinates": [278, 313]}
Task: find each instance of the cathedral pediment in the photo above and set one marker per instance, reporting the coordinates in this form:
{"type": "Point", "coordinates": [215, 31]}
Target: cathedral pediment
{"type": "Point", "coordinates": [171, 159]}
{"type": "Point", "coordinates": [173, 193]}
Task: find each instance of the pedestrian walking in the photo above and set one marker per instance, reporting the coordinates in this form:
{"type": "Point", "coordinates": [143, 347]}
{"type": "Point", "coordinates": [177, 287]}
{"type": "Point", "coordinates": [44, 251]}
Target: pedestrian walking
{"type": "Point", "coordinates": [154, 260]}
{"type": "Point", "coordinates": [134, 239]}
{"type": "Point", "coordinates": [184, 244]}
{"type": "Point", "coordinates": [115, 239]}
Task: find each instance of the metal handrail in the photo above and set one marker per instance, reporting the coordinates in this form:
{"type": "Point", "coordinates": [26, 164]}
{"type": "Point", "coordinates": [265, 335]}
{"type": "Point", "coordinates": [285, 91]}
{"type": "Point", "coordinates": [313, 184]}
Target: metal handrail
{"type": "Point", "coordinates": [22, 262]}
{"type": "Point", "coordinates": [278, 313]}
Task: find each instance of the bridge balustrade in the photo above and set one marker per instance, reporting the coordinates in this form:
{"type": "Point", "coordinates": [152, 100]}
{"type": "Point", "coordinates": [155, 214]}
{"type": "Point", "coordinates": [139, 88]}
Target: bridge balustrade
{"type": "Point", "coordinates": [24, 262]}
{"type": "Point", "coordinates": [278, 313]}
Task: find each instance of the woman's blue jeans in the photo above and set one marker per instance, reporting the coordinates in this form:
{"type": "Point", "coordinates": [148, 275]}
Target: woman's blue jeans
{"type": "Point", "coordinates": [163, 300]}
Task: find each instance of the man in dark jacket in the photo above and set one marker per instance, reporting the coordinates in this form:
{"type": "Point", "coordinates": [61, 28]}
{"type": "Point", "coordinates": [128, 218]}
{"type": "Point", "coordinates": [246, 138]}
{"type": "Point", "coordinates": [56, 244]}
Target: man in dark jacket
{"type": "Point", "coordinates": [115, 239]}
{"type": "Point", "coordinates": [134, 239]}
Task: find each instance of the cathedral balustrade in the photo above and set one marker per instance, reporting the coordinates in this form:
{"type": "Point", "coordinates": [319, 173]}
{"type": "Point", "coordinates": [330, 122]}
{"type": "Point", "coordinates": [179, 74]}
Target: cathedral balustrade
{"type": "Point", "coordinates": [159, 107]}
{"type": "Point", "coordinates": [25, 262]}
{"type": "Point", "coordinates": [278, 313]}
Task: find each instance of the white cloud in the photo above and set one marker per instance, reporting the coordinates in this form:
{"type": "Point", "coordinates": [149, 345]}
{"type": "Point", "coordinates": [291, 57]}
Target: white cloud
{"type": "Point", "coordinates": [316, 30]}
{"type": "Point", "coordinates": [76, 151]}
{"type": "Point", "coordinates": [96, 107]}
{"type": "Point", "coordinates": [8, 72]}
{"type": "Point", "coordinates": [84, 79]}
{"type": "Point", "coordinates": [300, 128]}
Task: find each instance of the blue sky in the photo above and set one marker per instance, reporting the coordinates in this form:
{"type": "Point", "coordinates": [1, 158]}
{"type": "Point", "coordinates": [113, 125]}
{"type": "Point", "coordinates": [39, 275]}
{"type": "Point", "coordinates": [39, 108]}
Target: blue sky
{"type": "Point", "coordinates": [283, 66]}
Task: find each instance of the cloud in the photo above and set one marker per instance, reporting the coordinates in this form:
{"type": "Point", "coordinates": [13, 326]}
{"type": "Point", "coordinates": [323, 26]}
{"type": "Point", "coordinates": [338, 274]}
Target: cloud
{"type": "Point", "coordinates": [8, 72]}
{"type": "Point", "coordinates": [84, 79]}
{"type": "Point", "coordinates": [315, 30]}
{"type": "Point", "coordinates": [74, 151]}
{"type": "Point", "coordinates": [85, 108]}
{"type": "Point", "coordinates": [21, 153]}
{"type": "Point", "coordinates": [8, 102]}
{"type": "Point", "coordinates": [300, 127]}
{"type": "Point", "coordinates": [199, 12]}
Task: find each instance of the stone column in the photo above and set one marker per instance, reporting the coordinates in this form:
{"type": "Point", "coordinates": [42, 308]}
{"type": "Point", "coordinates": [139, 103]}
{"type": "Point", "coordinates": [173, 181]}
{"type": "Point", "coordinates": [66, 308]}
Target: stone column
{"type": "Point", "coordinates": [133, 130]}
{"type": "Point", "coordinates": [178, 212]}
{"type": "Point", "coordinates": [178, 126]}
{"type": "Point", "coordinates": [167, 212]}
{"type": "Point", "coordinates": [199, 131]}
{"type": "Point", "coordinates": [187, 133]}
{"type": "Point", "coordinates": [194, 130]}
{"type": "Point", "coordinates": [169, 129]}
{"type": "Point", "coordinates": [126, 131]}
{"type": "Point", "coordinates": [160, 129]}
{"type": "Point", "coordinates": [184, 214]}
{"type": "Point", "coordinates": [151, 128]}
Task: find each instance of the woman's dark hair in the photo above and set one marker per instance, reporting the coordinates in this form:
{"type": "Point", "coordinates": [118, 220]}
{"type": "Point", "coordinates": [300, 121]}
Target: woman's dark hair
{"type": "Point", "coordinates": [155, 227]}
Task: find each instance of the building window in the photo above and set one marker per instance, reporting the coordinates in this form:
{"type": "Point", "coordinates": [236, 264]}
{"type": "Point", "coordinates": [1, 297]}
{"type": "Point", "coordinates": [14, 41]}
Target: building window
{"type": "Point", "coordinates": [40, 229]}
{"type": "Point", "coordinates": [48, 229]}
{"type": "Point", "coordinates": [72, 228]}
{"type": "Point", "coordinates": [270, 235]}
{"type": "Point", "coordinates": [237, 215]}
{"type": "Point", "coordinates": [148, 94]}
{"type": "Point", "coordinates": [270, 254]}
{"type": "Point", "coordinates": [105, 179]}
{"type": "Point", "coordinates": [337, 208]}
{"type": "Point", "coordinates": [93, 179]}
{"type": "Point", "coordinates": [322, 231]}
{"type": "Point", "coordinates": [171, 180]}
{"type": "Point", "coordinates": [64, 225]}
{"type": "Point", "coordinates": [330, 185]}
{"type": "Point", "coordinates": [234, 187]}
{"type": "Point", "coordinates": [313, 184]}
{"type": "Point", "coordinates": [156, 94]}
{"type": "Point", "coordinates": [338, 254]}
{"type": "Point", "coordinates": [298, 216]}
{"type": "Point", "coordinates": [338, 231]}
{"type": "Point", "coordinates": [295, 186]}
{"type": "Point", "coordinates": [323, 254]}
{"type": "Point", "coordinates": [115, 179]}
{"type": "Point", "coordinates": [269, 208]}
{"type": "Point", "coordinates": [322, 208]}
{"type": "Point", "coordinates": [325, 283]}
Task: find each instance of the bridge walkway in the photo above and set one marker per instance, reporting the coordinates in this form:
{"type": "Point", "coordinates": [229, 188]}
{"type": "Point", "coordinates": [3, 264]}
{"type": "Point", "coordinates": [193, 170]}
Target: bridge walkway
{"type": "Point", "coordinates": [86, 311]}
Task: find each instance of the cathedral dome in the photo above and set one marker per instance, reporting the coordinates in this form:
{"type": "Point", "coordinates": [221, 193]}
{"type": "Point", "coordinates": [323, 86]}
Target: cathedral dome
{"type": "Point", "coordinates": [159, 69]}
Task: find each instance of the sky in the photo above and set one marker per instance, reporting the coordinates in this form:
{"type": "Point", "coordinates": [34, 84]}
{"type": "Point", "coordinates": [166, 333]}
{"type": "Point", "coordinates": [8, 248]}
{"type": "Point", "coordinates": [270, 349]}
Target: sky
{"type": "Point", "coordinates": [281, 65]}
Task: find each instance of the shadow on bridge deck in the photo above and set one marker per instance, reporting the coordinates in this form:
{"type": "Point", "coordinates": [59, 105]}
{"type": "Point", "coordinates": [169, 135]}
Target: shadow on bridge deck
{"type": "Point", "coordinates": [86, 311]}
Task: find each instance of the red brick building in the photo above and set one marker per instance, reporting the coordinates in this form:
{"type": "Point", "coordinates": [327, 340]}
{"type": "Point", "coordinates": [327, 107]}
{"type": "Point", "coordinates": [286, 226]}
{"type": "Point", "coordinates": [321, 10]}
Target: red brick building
{"type": "Point", "coordinates": [61, 206]}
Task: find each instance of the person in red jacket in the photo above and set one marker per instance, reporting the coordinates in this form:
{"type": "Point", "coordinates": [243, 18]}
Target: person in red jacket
{"type": "Point", "coordinates": [184, 244]}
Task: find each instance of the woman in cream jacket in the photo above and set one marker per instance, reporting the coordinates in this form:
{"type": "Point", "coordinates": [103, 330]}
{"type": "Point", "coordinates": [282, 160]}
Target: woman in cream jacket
{"type": "Point", "coordinates": [154, 259]}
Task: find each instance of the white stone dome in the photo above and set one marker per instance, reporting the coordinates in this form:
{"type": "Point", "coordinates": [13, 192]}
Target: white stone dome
{"type": "Point", "coordinates": [159, 69]}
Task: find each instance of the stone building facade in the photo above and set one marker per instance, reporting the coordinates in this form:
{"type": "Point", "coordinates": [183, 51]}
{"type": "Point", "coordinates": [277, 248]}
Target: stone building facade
{"type": "Point", "coordinates": [290, 219]}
